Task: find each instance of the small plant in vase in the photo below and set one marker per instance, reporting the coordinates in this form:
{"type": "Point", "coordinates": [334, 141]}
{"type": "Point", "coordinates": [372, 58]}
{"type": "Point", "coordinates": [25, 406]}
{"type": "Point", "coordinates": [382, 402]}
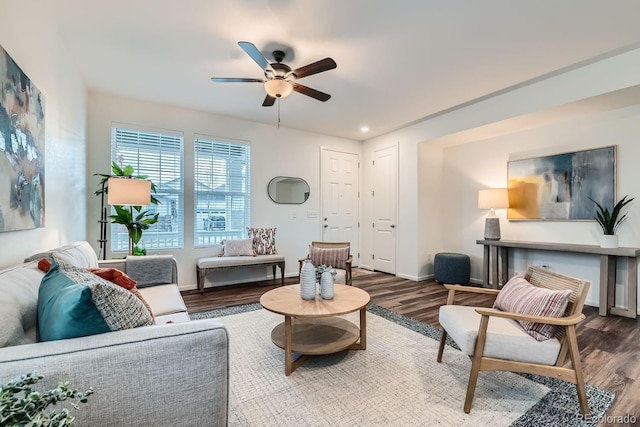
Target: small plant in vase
{"type": "Point", "coordinates": [325, 275]}
{"type": "Point", "coordinates": [609, 221]}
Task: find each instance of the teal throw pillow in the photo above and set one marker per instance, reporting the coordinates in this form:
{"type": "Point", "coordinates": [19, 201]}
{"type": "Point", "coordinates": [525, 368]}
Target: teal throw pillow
{"type": "Point", "coordinates": [73, 302]}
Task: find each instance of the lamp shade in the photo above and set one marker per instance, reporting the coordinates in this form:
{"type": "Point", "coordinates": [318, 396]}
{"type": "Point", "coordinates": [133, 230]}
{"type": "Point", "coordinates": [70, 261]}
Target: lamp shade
{"type": "Point", "coordinates": [493, 198]}
{"type": "Point", "coordinates": [278, 87]}
{"type": "Point", "coordinates": [129, 191]}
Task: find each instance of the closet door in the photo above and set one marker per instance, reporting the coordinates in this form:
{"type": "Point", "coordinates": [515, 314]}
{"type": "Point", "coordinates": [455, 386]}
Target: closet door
{"type": "Point", "coordinates": [385, 202]}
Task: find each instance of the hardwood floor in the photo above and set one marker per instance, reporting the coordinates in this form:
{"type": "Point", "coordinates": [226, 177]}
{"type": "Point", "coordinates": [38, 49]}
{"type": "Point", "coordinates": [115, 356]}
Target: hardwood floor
{"type": "Point", "coordinates": [609, 346]}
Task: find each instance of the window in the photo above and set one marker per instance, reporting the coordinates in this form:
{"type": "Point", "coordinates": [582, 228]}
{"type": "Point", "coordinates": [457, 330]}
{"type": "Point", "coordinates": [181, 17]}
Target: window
{"type": "Point", "coordinates": [159, 155]}
{"type": "Point", "coordinates": [222, 190]}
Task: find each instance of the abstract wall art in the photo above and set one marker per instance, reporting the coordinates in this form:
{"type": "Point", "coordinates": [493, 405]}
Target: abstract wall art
{"type": "Point", "coordinates": [21, 149]}
{"type": "Point", "coordinates": [561, 186]}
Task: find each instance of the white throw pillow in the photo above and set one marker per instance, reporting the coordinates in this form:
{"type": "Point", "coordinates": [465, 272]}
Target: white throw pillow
{"type": "Point", "coordinates": [243, 247]}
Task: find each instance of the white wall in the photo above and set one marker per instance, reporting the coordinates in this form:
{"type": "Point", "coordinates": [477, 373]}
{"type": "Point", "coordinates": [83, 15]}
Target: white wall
{"type": "Point", "coordinates": [483, 164]}
{"type": "Point", "coordinates": [26, 35]}
{"type": "Point", "coordinates": [467, 148]}
{"type": "Point", "coordinates": [274, 152]}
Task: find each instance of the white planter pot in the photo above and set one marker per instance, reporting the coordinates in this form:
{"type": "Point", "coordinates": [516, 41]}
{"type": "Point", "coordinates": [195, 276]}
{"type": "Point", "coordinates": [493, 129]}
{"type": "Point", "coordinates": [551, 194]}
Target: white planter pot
{"type": "Point", "coordinates": [608, 241]}
{"type": "Point", "coordinates": [326, 285]}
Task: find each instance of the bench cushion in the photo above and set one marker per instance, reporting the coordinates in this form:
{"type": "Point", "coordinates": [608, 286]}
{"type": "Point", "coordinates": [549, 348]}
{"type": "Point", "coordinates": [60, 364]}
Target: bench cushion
{"type": "Point", "coordinates": [233, 261]}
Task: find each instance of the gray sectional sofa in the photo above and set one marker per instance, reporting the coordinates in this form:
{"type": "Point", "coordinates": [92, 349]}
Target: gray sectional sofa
{"type": "Point", "coordinates": [167, 374]}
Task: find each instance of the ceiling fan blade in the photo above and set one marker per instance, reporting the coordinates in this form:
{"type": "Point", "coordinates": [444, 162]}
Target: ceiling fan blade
{"type": "Point", "coordinates": [256, 55]}
{"type": "Point", "coordinates": [305, 90]}
{"type": "Point", "coordinates": [269, 101]}
{"type": "Point", "coordinates": [315, 68]}
{"type": "Point", "coordinates": [235, 80]}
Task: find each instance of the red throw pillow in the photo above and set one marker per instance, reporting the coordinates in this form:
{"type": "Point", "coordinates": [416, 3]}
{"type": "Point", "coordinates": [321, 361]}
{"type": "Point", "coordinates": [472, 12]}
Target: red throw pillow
{"type": "Point", "coordinates": [115, 276]}
{"type": "Point", "coordinates": [44, 265]}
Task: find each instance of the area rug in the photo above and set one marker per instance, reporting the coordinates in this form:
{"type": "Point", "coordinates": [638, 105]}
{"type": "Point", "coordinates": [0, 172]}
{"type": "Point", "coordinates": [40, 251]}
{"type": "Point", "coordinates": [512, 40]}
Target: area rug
{"type": "Point", "coordinates": [396, 381]}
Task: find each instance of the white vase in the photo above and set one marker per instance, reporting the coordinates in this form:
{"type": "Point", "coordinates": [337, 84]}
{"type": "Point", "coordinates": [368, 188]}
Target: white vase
{"type": "Point", "coordinates": [308, 281]}
{"type": "Point", "coordinates": [326, 285]}
{"type": "Point", "coordinates": [608, 241]}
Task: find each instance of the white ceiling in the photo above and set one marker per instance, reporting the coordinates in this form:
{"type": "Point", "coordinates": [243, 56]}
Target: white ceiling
{"type": "Point", "coordinates": [398, 61]}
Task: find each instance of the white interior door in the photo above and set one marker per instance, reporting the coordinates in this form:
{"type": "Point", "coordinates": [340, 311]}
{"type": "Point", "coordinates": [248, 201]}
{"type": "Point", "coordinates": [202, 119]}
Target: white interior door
{"type": "Point", "coordinates": [340, 199]}
{"type": "Point", "coordinates": [385, 201]}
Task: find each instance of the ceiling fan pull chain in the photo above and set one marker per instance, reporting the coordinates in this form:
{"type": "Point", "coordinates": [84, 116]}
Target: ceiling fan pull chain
{"type": "Point", "coordinates": [278, 113]}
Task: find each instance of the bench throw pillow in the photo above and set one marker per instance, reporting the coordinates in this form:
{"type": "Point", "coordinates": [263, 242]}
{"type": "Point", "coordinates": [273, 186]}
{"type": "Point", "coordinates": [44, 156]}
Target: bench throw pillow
{"type": "Point", "coordinates": [520, 296]}
{"type": "Point", "coordinates": [264, 240]}
{"type": "Point", "coordinates": [73, 302]}
{"type": "Point", "coordinates": [242, 247]}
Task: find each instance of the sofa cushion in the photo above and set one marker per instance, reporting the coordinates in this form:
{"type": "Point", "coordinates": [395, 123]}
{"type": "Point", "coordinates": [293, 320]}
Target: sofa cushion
{"type": "Point", "coordinates": [520, 296]}
{"type": "Point", "coordinates": [73, 302]}
{"type": "Point", "coordinates": [78, 254]}
{"type": "Point", "coordinates": [163, 299]}
{"type": "Point", "coordinates": [19, 302]}
{"type": "Point", "coordinates": [264, 240]}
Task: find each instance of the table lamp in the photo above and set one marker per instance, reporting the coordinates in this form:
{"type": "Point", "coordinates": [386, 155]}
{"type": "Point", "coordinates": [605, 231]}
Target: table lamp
{"type": "Point", "coordinates": [493, 198]}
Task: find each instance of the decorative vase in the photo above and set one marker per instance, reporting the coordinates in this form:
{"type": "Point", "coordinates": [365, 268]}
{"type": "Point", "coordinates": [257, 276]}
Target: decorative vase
{"type": "Point", "coordinates": [308, 281]}
{"type": "Point", "coordinates": [326, 285]}
{"type": "Point", "coordinates": [608, 241]}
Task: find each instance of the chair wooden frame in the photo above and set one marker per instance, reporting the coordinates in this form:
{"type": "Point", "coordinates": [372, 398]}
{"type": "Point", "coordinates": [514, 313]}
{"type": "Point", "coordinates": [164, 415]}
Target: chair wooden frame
{"type": "Point", "coordinates": [348, 262]}
{"type": "Point", "coordinates": [566, 334]}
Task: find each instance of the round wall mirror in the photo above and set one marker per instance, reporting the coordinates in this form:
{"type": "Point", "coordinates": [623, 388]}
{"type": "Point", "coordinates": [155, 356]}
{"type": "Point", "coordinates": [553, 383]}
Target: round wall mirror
{"type": "Point", "coordinates": [288, 190]}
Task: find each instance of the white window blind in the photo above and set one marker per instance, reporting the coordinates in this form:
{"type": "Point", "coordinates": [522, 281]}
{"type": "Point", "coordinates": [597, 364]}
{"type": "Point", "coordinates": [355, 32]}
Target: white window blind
{"type": "Point", "coordinates": [159, 155]}
{"type": "Point", "coordinates": [222, 190]}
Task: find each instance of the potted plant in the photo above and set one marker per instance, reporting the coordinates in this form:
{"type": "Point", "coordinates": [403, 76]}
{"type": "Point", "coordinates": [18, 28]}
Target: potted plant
{"type": "Point", "coordinates": [609, 221]}
{"type": "Point", "coordinates": [134, 218]}
{"type": "Point", "coordinates": [30, 408]}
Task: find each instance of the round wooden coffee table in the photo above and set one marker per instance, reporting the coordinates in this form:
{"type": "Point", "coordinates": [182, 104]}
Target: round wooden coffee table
{"type": "Point", "coordinates": [315, 328]}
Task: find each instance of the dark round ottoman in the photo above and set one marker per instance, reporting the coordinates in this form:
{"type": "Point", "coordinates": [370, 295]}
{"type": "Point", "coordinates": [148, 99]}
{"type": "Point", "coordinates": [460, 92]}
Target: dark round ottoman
{"type": "Point", "coordinates": [449, 267]}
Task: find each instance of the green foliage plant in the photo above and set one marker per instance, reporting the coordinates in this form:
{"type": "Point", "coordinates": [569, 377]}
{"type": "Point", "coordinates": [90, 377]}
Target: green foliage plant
{"type": "Point", "coordinates": [134, 218]}
{"type": "Point", "coordinates": [322, 268]}
{"type": "Point", "coordinates": [609, 221]}
{"type": "Point", "coordinates": [30, 409]}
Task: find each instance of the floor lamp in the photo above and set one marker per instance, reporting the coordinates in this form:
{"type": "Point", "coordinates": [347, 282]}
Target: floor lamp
{"type": "Point", "coordinates": [128, 191]}
{"type": "Point", "coordinates": [493, 198]}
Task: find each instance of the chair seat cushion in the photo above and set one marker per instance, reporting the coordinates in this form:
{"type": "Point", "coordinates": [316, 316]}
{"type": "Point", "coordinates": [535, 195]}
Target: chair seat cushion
{"type": "Point", "coordinates": [341, 276]}
{"type": "Point", "coordinates": [506, 339]}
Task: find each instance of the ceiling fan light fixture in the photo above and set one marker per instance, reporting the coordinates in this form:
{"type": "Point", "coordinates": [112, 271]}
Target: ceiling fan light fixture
{"type": "Point", "coordinates": [278, 87]}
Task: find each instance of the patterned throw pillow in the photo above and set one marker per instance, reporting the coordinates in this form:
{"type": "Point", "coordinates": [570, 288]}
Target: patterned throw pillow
{"type": "Point", "coordinates": [334, 257]}
{"type": "Point", "coordinates": [520, 296]}
{"type": "Point", "coordinates": [243, 247]}
{"type": "Point", "coordinates": [73, 302]}
{"type": "Point", "coordinates": [111, 274]}
{"type": "Point", "coordinates": [264, 240]}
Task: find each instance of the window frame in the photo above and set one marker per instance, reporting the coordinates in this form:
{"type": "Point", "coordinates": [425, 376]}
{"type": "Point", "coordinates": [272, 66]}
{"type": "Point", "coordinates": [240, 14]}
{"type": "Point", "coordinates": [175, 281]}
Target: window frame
{"type": "Point", "coordinates": [139, 152]}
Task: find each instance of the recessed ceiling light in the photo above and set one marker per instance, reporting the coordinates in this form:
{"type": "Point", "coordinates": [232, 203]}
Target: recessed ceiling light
{"type": "Point", "coordinates": [364, 129]}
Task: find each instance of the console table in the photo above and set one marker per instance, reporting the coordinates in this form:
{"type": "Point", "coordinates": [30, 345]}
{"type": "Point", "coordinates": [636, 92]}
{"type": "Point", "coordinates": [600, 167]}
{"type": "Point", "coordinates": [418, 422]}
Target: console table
{"type": "Point", "coordinates": [496, 254]}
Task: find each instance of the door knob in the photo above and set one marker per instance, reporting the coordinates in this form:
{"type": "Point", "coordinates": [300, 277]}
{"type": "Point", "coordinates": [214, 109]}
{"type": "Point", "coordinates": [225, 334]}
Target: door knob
{"type": "Point", "coordinates": [392, 226]}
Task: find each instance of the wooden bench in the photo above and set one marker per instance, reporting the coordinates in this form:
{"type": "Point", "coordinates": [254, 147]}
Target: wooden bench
{"type": "Point", "coordinates": [204, 265]}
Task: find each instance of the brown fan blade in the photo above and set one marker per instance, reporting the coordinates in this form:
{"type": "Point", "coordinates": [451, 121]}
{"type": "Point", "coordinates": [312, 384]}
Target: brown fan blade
{"type": "Point", "coordinates": [315, 68]}
{"type": "Point", "coordinates": [269, 101]}
{"type": "Point", "coordinates": [305, 90]}
{"type": "Point", "coordinates": [235, 80]}
{"type": "Point", "coordinates": [256, 55]}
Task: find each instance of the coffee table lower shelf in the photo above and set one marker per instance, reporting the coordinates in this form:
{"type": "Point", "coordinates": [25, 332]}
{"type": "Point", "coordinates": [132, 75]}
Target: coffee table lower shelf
{"type": "Point", "coordinates": [316, 336]}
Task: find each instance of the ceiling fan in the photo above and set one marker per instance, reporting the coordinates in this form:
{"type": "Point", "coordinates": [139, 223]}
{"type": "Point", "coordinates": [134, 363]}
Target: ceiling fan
{"type": "Point", "coordinates": [280, 80]}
